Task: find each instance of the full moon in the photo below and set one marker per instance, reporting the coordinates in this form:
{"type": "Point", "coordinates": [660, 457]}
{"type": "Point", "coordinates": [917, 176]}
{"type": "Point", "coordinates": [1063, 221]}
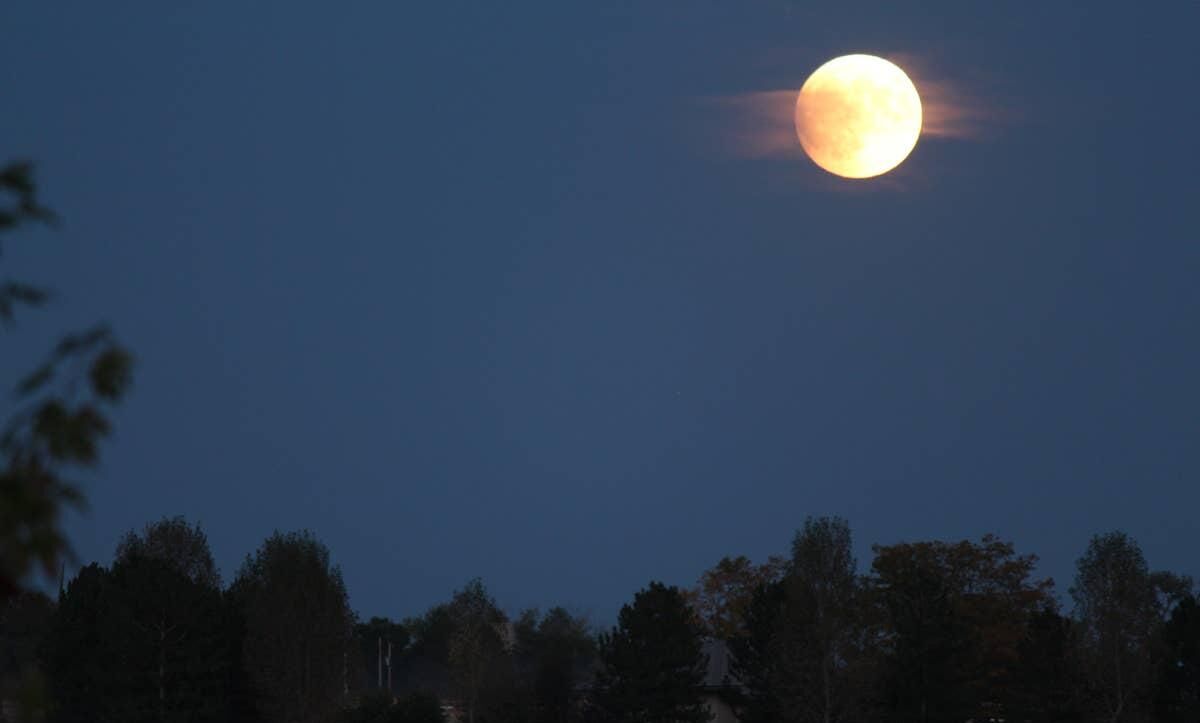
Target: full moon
{"type": "Point", "coordinates": [858, 116]}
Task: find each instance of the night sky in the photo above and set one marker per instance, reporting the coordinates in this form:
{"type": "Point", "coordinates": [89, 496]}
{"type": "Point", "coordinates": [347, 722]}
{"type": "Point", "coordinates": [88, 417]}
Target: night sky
{"type": "Point", "coordinates": [501, 290]}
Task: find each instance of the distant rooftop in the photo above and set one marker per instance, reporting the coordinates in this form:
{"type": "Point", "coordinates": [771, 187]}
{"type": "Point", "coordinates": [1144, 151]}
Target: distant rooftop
{"type": "Point", "coordinates": [718, 674]}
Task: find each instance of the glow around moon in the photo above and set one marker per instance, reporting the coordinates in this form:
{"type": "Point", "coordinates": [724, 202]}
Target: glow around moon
{"type": "Point", "coordinates": [858, 116]}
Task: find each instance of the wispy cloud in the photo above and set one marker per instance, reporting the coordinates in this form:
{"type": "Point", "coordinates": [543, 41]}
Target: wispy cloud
{"type": "Point", "coordinates": [950, 106]}
{"type": "Point", "coordinates": [761, 125]}
{"type": "Point", "coordinates": [757, 124]}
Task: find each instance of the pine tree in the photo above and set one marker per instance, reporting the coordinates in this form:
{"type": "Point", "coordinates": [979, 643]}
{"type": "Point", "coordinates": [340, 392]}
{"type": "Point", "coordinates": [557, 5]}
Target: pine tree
{"type": "Point", "coordinates": [755, 651]}
{"type": "Point", "coordinates": [654, 662]}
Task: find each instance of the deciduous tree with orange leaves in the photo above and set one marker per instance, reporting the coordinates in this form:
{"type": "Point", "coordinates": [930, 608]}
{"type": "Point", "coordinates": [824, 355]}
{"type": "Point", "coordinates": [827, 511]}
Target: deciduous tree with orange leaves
{"type": "Point", "coordinates": [722, 595]}
{"type": "Point", "coordinates": [954, 617]}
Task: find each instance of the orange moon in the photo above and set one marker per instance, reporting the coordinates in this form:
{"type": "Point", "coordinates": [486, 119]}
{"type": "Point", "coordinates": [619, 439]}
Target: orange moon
{"type": "Point", "coordinates": [858, 116]}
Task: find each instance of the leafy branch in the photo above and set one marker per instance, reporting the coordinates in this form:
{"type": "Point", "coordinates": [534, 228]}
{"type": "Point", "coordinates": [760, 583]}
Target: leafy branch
{"type": "Point", "coordinates": [62, 413]}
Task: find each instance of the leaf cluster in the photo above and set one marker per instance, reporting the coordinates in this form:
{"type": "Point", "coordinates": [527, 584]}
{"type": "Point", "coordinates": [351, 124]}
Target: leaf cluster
{"type": "Point", "coordinates": [61, 417]}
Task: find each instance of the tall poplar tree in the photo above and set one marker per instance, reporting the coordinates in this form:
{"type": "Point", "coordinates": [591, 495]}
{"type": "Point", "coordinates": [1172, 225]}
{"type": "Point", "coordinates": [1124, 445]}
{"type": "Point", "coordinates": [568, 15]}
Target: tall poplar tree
{"type": "Point", "coordinates": [805, 650]}
{"type": "Point", "coordinates": [1121, 607]}
{"type": "Point", "coordinates": [824, 664]}
{"type": "Point", "coordinates": [477, 648]}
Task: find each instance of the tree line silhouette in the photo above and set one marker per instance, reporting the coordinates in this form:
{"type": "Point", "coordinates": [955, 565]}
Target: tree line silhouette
{"type": "Point", "coordinates": [936, 632]}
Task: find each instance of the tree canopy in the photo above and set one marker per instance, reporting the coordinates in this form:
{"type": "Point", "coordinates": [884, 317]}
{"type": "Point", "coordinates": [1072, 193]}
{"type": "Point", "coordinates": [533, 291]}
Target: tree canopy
{"type": "Point", "coordinates": [298, 628]}
{"type": "Point", "coordinates": [142, 641]}
{"type": "Point", "coordinates": [182, 546]}
{"type": "Point", "coordinates": [723, 593]}
{"type": "Point", "coordinates": [653, 662]}
{"type": "Point", "coordinates": [1122, 608]}
{"type": "Point", "coordinates": [953, 616]}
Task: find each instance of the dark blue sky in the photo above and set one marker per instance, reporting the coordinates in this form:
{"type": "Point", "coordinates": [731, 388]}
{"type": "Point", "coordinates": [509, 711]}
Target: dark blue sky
{"type": "Point", "coordinates": [481, 289]}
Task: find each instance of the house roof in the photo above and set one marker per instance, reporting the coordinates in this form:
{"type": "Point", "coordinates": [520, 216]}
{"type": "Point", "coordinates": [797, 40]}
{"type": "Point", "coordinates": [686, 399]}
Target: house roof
{"type": "Point", "coordinates": [718, 674]}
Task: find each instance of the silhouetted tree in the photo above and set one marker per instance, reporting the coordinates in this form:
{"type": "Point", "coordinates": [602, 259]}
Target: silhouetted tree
{"type": "Point", "coordinates": [25, 619]}
{"type": "Point", "coordinates": [1047, 687]}
{"type": "Point", "coordinates": [1121, 607]}
{"type": "Point", "coordinates": [425, 662]}
{"type": "Point", "coordinates": [653, 662]}
{"type": "Point", "coordinates": [823, 638]}
{"type": "Point", "coordinates": [927, 640]}
{"type": "Point", "coordinates": [244, 698]}
{"type": "Point", "coordinates": [552, 655]}
{"type": "Point", "coordinates": [756, 651]}
{"type": "Point", "coordinates": [298, 628]}
{"type": "Point", "coordinates": [79, 653]}
{"type": "Point", "coordinates": [564, 652]}
{"type": "Point", "coordinates": [954, 616]}
{"type": "Point", "coordinates": [477, 648]}
{"type": "Point", "coordinates": [1177, 694]}
{"type": "Point", "coordinates": [167, 625]}
{"type": "Point", "coordinates": [184, 547]}
{"type": "Point", "coordinates": [805, 650]}
{"type": "Point", "coordinates": [166, 634]}
{"type": "Point", "coordinates": [143, 642]}
{"type": "Point", "coordinates": [723, 593]}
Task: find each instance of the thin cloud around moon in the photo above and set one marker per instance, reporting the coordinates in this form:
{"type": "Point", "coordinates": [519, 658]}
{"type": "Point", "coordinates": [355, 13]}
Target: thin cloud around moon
{"type": "Point", "coordinates": [761, 125]}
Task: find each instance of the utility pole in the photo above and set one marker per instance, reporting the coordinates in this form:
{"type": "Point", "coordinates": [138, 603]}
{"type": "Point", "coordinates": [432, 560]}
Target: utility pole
{"type": "Point", "coordinates": [379, 662]}
{"type": "Point", "coordinates": [389, 662]}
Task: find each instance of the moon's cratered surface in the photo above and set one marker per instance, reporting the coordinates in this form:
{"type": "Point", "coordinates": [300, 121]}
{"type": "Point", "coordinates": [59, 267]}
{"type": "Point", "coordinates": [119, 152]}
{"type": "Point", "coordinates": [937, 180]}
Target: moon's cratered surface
{"type": "Point", "coordinates": [858, 116]}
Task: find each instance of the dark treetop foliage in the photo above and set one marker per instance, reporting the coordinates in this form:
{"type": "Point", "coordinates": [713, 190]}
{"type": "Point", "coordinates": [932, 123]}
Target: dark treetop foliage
{"type": "Point", "coordinates": [25, 619]}
{"type": "Point", "coordinates": [1177, 696]}
{"type": "Point", "coordinates": [184, 547]}
{"type": "Point", "coordinates": [723, 593]}
{"type": "Point", "coordinates": [953, 616]}
{"type": "Point", "coordinates": [553, 655]}
{"type": "Point", "coordinates": [477, 651]}
{"type": "Point", "coordinates": [653, 662]}
{"type": "Point", "coordinates": [298, 628]}
{"type": "Point", "coordinates": [1121, 607]}
{"type": "Point", "coordinates": [425, 662]}
{"type": "Point", "coordinates": [1047, 686]}
{"type": "Point", "coordinates": [79, 660]}
{"type": "Point", "coordinates": [804, 649]}
{"type": "Point", "coordinates": [940, 632]}
{"type": "Point", "coordinates": [467, 651]}
{"type": "Point", "coordinates": [757, 656]}
{"type": "Point", "coordinates": [825, 635]}
{"type": "Point", "coordinates": [142, 642]}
